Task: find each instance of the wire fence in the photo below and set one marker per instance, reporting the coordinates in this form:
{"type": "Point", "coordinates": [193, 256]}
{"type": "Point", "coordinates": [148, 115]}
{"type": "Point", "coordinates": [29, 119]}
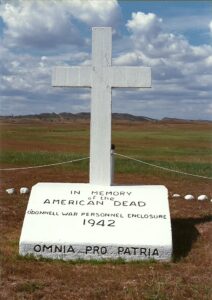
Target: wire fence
{"type": "Point", "coordinates": [44, 166]}
{"type": "Point", "coordinates": [117, 154]}
{"type": "Point", "coordinates": [162, 168]}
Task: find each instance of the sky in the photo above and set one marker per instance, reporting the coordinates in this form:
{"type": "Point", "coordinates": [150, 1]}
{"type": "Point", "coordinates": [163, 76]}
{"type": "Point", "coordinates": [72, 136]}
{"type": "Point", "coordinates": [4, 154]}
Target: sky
{"type": "Point", "coordinates": [173, 37]}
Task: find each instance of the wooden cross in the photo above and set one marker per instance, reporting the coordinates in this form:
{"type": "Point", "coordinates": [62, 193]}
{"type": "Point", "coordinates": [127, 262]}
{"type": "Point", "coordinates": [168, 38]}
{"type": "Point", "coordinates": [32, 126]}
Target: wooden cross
{"type": "Point", "coordinates": [101, 76]}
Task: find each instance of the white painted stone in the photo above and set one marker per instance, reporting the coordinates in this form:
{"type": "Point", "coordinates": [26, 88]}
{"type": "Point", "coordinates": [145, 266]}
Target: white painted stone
{"type": "Point", "coordinates": [83, 221]}
{"type": "Point", "coordinates": [189, 197]}
{"type": "Point", "coordinates": [101, 76]}
{"type": "Point", "coordinates": [97, 220]}
{"type": "Point", "coordinates": [176, 196]}
{"type": "Point", "coordinates": [24, 190]}
{"type": "Point", "coordinates": [202, 198]}
{"type": "Point", "coordinates": [10, 191]}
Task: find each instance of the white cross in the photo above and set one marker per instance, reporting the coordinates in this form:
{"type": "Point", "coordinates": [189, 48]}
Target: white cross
{"type": "Point", "coordinates": [101, 76]}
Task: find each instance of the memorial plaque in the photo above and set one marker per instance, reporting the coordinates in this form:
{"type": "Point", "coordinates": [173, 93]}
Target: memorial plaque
{"type": "Point", "coordinates": [83, 221]}
{"type": "Point", "coordinates": [98, 220]}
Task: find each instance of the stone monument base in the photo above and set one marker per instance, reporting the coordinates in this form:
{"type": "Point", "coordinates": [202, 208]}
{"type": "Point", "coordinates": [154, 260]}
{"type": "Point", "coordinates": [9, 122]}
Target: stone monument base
{"type": "Point", "coordinates": [83, 221]}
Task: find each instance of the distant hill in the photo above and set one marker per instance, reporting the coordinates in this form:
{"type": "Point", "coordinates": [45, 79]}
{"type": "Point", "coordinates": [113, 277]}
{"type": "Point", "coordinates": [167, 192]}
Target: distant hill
{"type": "Point", "coordinates": [64, 116]}
{"type": "Point", "coordinates": [176, 120]}
{"type": "Point", "coordinates": [82, 115]}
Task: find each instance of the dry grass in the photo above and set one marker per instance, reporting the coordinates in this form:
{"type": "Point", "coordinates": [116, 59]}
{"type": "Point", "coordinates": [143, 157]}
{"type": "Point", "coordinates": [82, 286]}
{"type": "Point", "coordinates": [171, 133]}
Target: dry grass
{"type": "Point", "coordinates": [188, 276]}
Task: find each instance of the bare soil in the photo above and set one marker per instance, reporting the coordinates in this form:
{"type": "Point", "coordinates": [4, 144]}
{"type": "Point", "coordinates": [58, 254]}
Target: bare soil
{"type": "Point", "coordinates": [188, 276]}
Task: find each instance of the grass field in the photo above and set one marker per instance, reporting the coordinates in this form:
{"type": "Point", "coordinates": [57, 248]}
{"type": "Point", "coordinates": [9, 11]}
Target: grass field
{"type": "Point", "coordinates": [181, 146]}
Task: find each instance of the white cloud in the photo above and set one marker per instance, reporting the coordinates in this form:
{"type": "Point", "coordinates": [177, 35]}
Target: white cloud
{"type": "Point", "coordinates": [147, 34]}
{"type": "Point", "coordinates": [38, 24]}
{"type": "Point", "coordinates": [168, 54]}
{"type": "Point", "coordinates": [48, 24]}
{"type": "Point", "coordinates": [182, 73]}
{"type": "Point", "coordinates": [208, 61]}
{"type": "Point", "coordinates": [142, 24]}
{"type": "Point", "coordinates": [209, 109]}
{"type": "Point", "coordinates": [95, 12]}
{"type": "Point", "coordinates": [44, 26]}
{"type": "Point", "coordinates": [210, 27]}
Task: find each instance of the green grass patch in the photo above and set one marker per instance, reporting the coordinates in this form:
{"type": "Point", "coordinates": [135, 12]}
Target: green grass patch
{"type": "Point", "coordinates": [27, 159]}
{"type": "Point", "coordinates": [166, 151]}
{"type": "Point", "coordinates": [181, 148]}
{"type": "Point", "coordinates": [170, 134]}
{"type": "Point", "coordinates": [55, 135]}
{"type": "Point", "coordinates": [129, 166]}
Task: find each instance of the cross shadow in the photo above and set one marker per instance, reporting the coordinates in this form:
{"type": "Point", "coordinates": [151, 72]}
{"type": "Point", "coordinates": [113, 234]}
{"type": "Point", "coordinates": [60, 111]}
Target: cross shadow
{"type": "Point", "coordinates": [184, 234]}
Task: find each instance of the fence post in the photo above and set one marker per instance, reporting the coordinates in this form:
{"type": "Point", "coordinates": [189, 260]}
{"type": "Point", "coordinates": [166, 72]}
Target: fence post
{"type": "Point", "coordinates": [112, 159]}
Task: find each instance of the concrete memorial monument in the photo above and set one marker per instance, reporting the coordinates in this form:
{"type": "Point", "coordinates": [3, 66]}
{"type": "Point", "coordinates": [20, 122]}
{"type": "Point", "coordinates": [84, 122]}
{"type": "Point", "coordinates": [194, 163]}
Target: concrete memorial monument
{"type": "Point", "coordinates": [98, 220]}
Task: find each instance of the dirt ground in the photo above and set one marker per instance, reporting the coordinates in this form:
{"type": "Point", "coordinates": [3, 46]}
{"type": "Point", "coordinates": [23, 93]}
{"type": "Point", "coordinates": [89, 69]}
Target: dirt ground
{"type": "Point", "coordinates": [187, 276]}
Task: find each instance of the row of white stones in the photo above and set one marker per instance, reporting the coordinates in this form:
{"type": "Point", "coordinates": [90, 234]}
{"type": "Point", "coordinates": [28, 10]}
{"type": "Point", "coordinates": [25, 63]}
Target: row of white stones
{"type": "Point", "coordinates": [23, 190]}
{"type": "Point", "coordinates": [191, 197]}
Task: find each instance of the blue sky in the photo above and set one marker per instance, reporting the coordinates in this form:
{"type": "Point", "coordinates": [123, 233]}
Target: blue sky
{"type": "Point", "coordinates": [172, 37]}
{"type": "Point", "coordinates": [178, 16]}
